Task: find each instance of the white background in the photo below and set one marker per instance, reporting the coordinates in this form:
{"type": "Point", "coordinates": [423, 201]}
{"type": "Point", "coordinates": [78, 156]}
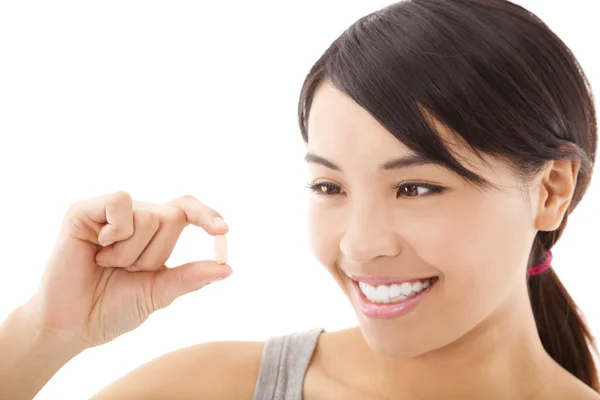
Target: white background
{"type": "Point", "coordinates": [166, 98]}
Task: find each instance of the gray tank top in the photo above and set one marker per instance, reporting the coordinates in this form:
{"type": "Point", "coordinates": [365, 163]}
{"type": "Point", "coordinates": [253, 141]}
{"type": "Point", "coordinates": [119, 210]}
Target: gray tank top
{"type": "Point", "coordinates": [283, 365]}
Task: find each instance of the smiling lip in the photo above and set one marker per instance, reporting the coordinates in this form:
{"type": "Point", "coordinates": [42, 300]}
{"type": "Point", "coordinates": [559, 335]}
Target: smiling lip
{"type": "Point", "coordinates": [387, 310]}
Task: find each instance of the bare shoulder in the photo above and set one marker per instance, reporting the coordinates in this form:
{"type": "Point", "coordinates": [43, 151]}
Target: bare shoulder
{"type": "Point", "coordinates": [572, 388]}
{"type": "Point", "coordinates": [583, 392]}
{"type": "Point", "coordinates": [216, 370]}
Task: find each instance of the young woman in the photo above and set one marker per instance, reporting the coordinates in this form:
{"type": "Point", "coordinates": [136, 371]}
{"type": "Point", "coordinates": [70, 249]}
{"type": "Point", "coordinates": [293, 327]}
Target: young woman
{"type": "Point", "coordinates": [448, 142]}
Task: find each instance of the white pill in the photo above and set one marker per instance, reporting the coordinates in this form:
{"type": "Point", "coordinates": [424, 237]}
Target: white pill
{"type": "Point", "coordinates": [220, 249]}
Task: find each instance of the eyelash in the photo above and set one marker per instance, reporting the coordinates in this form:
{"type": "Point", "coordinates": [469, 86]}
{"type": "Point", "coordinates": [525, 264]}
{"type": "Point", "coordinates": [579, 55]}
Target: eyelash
{"type": "Point", "coordinates": [433, 189]}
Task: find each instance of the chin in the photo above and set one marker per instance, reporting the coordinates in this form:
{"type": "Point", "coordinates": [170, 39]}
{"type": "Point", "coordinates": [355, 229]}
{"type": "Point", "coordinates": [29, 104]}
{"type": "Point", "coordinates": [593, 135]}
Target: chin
{"type": "Point", "coordinates": [397, 331]}
{"type": "Point", "coordinates": [387, 341]}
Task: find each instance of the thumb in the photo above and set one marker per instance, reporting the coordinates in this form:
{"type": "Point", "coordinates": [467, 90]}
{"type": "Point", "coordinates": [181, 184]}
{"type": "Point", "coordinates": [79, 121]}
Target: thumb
{"type": "Point", "coordinates": [171, 283]}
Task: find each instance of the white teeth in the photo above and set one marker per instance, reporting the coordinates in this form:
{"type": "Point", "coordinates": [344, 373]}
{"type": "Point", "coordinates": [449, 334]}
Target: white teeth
{"type": "Point", "coordinates": [393, 293]}
{"type": "Point", "coordinates": [406, 288]}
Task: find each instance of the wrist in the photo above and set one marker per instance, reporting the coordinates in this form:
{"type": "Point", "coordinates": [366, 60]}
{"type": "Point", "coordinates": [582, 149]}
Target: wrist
{"type": "Point", "coordinates": [48, 342]}
{"type": "Point", "coordinates": [44, 337]}
{"type": "Point", "coordinates": [30, 354]}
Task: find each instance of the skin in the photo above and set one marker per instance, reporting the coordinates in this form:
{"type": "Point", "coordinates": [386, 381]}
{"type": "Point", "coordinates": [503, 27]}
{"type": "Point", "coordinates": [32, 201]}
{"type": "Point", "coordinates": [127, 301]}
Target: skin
{"type": "Point", "coordinates": [476, 241]}
{"type": "Point", "coordinates": [472, 336]}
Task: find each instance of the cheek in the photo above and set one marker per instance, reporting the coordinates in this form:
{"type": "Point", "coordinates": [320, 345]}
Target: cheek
{"type": "Point", "coordinates": [323, 229]}
{"type": "Point", "coordinates": [479, 248]}
{"type": "Point", "coordinates": [469, 233]}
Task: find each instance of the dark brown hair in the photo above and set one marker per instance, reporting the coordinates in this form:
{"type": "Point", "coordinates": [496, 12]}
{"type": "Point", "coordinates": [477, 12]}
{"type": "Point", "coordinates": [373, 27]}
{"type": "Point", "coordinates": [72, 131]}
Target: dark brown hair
{"type": "Point", "coordinates": [506, 84]}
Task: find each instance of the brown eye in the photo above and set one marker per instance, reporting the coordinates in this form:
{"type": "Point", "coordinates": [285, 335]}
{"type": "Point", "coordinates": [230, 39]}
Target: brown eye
{"type": "Point", "coordinates": [417, 189]}
{"type": "Point", "coordinates": [325, 188]}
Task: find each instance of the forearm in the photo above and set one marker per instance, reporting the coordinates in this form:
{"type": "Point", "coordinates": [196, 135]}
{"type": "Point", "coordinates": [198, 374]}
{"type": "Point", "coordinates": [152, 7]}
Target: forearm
{"type": "Point", "coordinates": [29, 356]}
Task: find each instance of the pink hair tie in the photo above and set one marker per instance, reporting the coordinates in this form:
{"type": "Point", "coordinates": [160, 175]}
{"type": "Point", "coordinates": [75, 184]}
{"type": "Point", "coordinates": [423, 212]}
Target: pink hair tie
{"type": "Point", "coordinates": [538, 269]}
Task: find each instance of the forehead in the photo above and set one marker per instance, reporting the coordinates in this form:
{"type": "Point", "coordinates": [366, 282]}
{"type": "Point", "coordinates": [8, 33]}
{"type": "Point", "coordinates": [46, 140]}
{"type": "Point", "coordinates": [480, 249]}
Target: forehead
{"type": "Point", "coordinates": [340, 130]}
{"type": "Point", "coordinates": [338, 125]}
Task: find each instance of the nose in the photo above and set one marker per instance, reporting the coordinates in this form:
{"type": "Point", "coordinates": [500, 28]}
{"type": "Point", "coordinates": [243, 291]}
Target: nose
{"type": "Point", "coordinates": [369, 234]}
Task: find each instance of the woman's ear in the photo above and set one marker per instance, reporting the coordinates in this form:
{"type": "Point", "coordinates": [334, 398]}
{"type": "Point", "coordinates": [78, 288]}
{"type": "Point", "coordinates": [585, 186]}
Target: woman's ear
{"type": "Point", "coordinates": [556, 192]}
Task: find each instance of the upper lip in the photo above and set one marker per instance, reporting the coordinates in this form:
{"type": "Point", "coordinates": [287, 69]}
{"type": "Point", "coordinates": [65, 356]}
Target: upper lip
{"type": "Point", "coordinates": [385, 280]}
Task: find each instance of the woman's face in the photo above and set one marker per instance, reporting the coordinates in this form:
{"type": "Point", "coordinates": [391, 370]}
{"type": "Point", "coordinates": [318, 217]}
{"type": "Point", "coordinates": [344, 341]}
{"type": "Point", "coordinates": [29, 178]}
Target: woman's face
{"type": "Point", "coordinates": [388, 224]}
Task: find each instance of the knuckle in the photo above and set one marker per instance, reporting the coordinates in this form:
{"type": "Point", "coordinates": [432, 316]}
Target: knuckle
{"type": "Point", "coordinates": [121, 198]}
{"type": "Point", "coordinates": [174, 215]}
{"type": "Point", "coordinates": [146, 220]}
{"type": "Point", "coordinates": [75, 225]}
{"type": "Point", "coordinates": [74, 209]}
{"type": "Point", "coordinates": [187, 197]}
{"type": "Point", "coordinates": [73, 222]}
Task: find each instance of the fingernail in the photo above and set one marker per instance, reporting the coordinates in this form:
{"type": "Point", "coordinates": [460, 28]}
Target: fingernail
{"type": "Point", "coordinates": [106, 243]}
{"type": "Point", "coordinates": [219, 222]}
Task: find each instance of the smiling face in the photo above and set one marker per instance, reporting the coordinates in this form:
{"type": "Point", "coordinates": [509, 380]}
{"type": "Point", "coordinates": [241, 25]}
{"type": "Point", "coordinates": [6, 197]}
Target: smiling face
{"type": "Point", "coordinates": [381, 213]}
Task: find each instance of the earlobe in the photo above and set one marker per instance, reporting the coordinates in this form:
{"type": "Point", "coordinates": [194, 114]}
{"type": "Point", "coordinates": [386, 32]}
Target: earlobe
{"type": "Point", "coordinates": [556, 192]}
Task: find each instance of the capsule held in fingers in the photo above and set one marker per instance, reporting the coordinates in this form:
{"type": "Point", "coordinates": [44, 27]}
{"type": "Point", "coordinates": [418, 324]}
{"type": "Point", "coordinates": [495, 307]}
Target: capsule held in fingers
{"type": "Point", "coordinates": [220, 249]}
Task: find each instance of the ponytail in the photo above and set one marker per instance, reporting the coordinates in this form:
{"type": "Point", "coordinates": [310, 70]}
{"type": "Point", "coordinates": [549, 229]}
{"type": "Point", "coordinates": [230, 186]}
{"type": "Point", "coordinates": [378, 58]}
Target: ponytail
{"type": "Point", "coordinates": [561, 327]}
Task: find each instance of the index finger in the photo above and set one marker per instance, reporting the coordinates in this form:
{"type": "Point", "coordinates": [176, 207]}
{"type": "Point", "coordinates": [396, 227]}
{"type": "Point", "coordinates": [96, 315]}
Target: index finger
{"type": "Point", "coordinates": [199, 214]}
{"type": "Point", "coordinates": [113, 210]}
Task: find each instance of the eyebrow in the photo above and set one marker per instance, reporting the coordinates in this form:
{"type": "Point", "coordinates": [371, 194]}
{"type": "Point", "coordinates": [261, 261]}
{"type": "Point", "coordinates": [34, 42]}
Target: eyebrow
{"type": "Point", "coordinates": [397, 163]}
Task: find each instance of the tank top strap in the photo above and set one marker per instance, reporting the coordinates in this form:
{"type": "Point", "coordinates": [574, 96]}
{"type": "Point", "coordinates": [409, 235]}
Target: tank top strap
{"type": "Point", "coordinates": [283, 365]}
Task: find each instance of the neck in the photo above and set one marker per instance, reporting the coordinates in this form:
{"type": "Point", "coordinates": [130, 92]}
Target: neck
{"type": "Point", "coordinates": [501, 358]}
